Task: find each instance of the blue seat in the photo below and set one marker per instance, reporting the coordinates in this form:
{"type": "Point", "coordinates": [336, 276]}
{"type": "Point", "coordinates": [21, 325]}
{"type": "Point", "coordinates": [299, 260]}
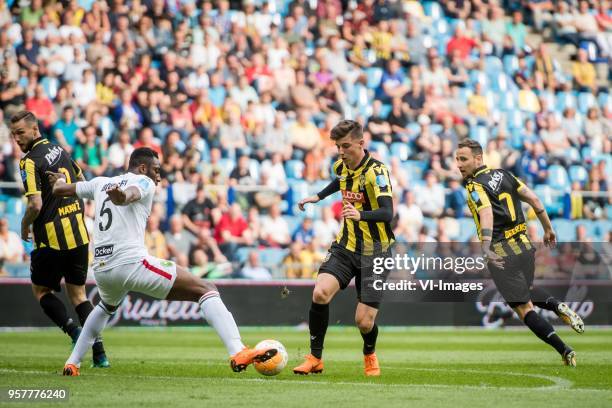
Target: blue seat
{"type": "Point", "coordinates": [431, 224]}
{"type": "Point", "coordinates": [510, 64]}
{"type": "Point", "coordinates": [572, 154]}
{"type": "Point", "coordinates": [579, 174]}
{"type": "Point", "coordinates": [557, 178]}
{"type": "Point", "coordinates": [433, 10]}
{"type": "Point", "coordinates": [493, 66]}
{"type": "Point", "coordinates": [373, 77]}
{"type": "Point", "coordinates": [604, 100]}
{"type": "Point", "coordinates": [18, 270]}
{"type": "Point", "coordinates": [385, 109]}
{"type": "Point", "coordinates": [467, 229]}
{"type": "Point", "coordinates": [242, 254]}
{"type": "Point", "coordinates": [227, 165]}
{"type": "Point", "coordinates": [565, 100]}
{"type": "Point", "coordinates": [14, 221]}
{"type": "Point", "coordinates": [587, 153]}
{"type": "Point", "coordinates": [515, 119]}
{"type": "Point", "coordinates": [400, 150]}
{"type": "Point", "coordinates": [604, 157]}
{"type": "Point", "coordinates": [480, 134]}
{"type": "Point", "coordinates": [586, 100]}
{"type": "Point", "coordinates": [565, 229]}
{"type": "Point", "coordinates": [15, 206]}
{"type": "Point", "coordinates": [271, 257]}
{"type": "Point", "coordinates": [550, 198]}
{"type": "Point", "coordinates": [294, 169]}
{"type": "Point", "coordinates": [414, 169]}
{"type": "Point", "coordinates": [381, 149]}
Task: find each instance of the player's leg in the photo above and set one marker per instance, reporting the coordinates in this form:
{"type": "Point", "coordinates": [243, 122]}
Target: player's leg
{"type": "Point", "coordinates": [56, 311]}
{"type": "Point", "coordinates": [46, 279]}
{"type": "Point", "coordinates": [326, 287]}
{"type": "Point", "coordinates": [188, 287]}
{"type": "Point", "coordinates": [544, 330]}
{"type": "Point", "coordinates": [83, 308]}
{"type": "Point", "coordinates": [94, 324]}
{"type": "Point", "coordinates": [544, 300]}
{"type": "Point", "coordinates": [74, 265]}
{"type": "Point", "coordinates": [365, 319]}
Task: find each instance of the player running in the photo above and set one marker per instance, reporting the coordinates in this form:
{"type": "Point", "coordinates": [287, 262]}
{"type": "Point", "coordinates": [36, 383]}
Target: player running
{"type": "Point", "coordinates": [494, 197]}
{"type": "Point", "coordinates": [121, 263]}
{"type": "Point", "coordinates": [365, 233]}
{"type": "Point", "coordinates": [60, 236]}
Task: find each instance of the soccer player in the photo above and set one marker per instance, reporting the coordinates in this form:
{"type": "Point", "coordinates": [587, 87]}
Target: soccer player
{"type": "Point", "coordinates": [121, 262]}
{"type": "Point", "coordinates": [59, 233]}
{"type": "Point", "coordinates": [365, 233]}
{"type": "Point", "coordinates": [494, 197]}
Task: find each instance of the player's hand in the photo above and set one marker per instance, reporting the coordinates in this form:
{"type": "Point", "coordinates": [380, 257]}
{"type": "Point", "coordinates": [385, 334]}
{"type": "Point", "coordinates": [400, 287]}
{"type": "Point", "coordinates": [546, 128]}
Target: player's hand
{"type": "Point", "coordinates": [116, 194]}
{"type": "Point", "coordinates": [350, 212]}
{"type": "Point", "coordinates": [25, 232]}
{"type": "Point", "coordinates": [312, 199]}
{"type": "Point", "coordinates": [54, 177]}
{"type": "Point", "coordinates": [550, 239]}
{"type": "Point", "coordinates": [493, 258]}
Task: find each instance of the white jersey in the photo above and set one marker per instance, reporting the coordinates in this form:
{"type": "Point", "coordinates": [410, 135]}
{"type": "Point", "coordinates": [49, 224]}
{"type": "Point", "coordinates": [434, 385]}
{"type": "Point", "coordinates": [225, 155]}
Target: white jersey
{"type": "Point", "coordinates": [118, 230]}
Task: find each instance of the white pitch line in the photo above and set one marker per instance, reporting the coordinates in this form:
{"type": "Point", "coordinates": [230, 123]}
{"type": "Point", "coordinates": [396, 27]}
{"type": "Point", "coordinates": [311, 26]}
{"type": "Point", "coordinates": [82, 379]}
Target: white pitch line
{"type": "Point", "coordinates": [325, 382]}
{"type": "Point", "coordinates": [558, 382]}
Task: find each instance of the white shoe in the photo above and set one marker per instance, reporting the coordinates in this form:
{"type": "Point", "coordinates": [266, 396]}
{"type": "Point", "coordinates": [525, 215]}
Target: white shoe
{"type": "Point", "coordinates": [570, 317]}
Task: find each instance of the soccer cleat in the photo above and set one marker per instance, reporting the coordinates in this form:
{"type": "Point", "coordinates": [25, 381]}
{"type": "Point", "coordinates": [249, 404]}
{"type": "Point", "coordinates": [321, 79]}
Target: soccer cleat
{"type": "Point", "coordinates": [242, 359]}
{"type": "Point", "coordinates": [100, 361]}
{"type": "Point", "coordinates": [71, 370]}
{"type": "Point", "coordinates": [371, 367]}
{"type": "Point", "coordinates": [570, 318]}
{"type": "Point", "coordinates": [569, 358]}
{"type": "Point", "coordinates": [311, 365]}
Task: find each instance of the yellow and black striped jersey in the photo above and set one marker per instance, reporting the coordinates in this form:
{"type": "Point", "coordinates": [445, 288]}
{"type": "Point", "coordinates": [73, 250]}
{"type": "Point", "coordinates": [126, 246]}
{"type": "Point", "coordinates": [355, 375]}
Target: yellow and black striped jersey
{"type": "Point", "coordinates": [362, 187]}
{"type": "Point", "coordinates": [498, 189]}
{"type": "Point", "coordinates": [60, 223]}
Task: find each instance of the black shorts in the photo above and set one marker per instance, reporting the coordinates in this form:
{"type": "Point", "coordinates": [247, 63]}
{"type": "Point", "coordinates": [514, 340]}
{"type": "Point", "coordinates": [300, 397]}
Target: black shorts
{"type": "Point", "coordinates": [345, 265]}
{"type": "Point", "coordinates": [49, 266]}
{"type": "Point", "coordinates": [515, 280]}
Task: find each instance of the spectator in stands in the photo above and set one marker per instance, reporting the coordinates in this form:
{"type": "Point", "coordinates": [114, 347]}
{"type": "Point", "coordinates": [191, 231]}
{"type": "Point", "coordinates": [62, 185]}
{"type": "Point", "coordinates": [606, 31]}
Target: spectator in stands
{"type": "Point", "coordinates": [206, 243]}
{"type": "Point", "coordinates": [65, 131]}
{"type": "Point", "coordinates": [232, 231]}
{"type": "Point", "coordinates": [584, 73]}
{"type": "Point", "coordinates": [430, 197]}
{"type": "Point", "coordinates": [154, 238]}
{"type": "Point", "coordinates": [179, 240]}
{"type": "Point", "coordinates": [253, 269]}
{"type": "Point", "coordinates": [305, 232]}
{"type": "Point", "coordinates": [398, 120]}
{"type": "Point", "coordinates": [11, 249]}
{"type": "Point", "coordinates": [555, 141]}
{"type": "Point", "coordinates": [392, 82]}
{"type": "Point", "coordinates": [303, 133]}
{"type": "Point", "coordinates": [91, 154]}
{"type": "Point", "coordinates": [377, 126]}
{"type": "Point", "coordinates": [197, 213]}
{"type": "Point", "coordinates": [455, 199]}
{"type": "Point", "coordinates": [594, 130]}
{"type": "Point", "coordinates": [119, 152]}
{"type": "Point", "coordinates": [146, 139]}
{"type": "Point", "coordinates": [274, 228]}
{"type": "Point", "coordinates": [326, 228]}
{"type": "Point", "coordinates": [460, 44]}
{"type": "Point", "coordinates": [478, 105]}
{"type": "Point", "coordinates": [410, 218]}
{"type": "Point", "coordinates": [494, 28]}
{"type": "Point", "coordinates": [517, 30]}
{"type": "Point", "coordinates": [241, 175]}
{"type": "Point", "coordinates": [533, 164]}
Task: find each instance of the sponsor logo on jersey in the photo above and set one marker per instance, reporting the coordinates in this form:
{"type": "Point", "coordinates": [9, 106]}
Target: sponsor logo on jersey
{"type": "Point", "coordinates": [24, 175]}
{"type": "Point", "coordinates": [69, 209]}
{"type": "Point", "coordinates": [381, 181]}
{"type": "Point", "coordinates": [353, 197]}
{"type": "Point", "coordinates": [105, 250]}
{"type": "Point", "coordinates": [54, 154]}
{"type": "Point", "coordinates": [495, 181]}
{"type": "Point", "coordinates": [513, 231]}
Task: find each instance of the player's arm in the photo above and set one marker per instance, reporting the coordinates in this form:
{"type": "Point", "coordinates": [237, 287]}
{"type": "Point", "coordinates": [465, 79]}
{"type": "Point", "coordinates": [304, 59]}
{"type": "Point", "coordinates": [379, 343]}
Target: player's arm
{"type": "Point", "coordinates": [528, 196]}
{"type": "Point", "coordinates": [330, 189]}
{"type": "Point", "coordinates": [123, 197]}
{"type": "Point", "coordinates": [78, 171]}
{"type": "Point", "coordinates": [485, 215]}
{"type": "Point", "coordinates": [380, 184]}
{"type": "Point", "coordinates": [33, 188]}
{"type": "Point", "coordinates": [58, 184]}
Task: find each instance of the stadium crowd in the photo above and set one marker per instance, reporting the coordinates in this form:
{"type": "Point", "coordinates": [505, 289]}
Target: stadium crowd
{"type": "Point", "coordinates": [238, 98]}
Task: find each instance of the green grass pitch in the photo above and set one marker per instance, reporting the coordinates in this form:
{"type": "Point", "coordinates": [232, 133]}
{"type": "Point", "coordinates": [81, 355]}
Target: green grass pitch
{"type": "Point", "coordinates": [427, 367]}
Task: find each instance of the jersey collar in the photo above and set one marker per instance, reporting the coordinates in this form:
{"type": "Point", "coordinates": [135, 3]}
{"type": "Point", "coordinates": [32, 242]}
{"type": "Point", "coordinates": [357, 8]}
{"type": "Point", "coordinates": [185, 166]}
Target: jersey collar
{"type": "Point", "coordinates": [36, 142]}
{"type": "Point", "coordinates": [480, 170]}
{"type": "Point", "coordinates": [362, 163]}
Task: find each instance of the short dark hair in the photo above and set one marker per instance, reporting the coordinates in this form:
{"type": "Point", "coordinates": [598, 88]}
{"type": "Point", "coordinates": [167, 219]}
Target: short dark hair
{"type": "Point", "coordinates": [347, 127]}
{"type": "Point", "coordinates": [26, 116]}
{"type": "Point", "coordinates": [471, 144]}
{"type": "Point", "coordinates": [142, 155]}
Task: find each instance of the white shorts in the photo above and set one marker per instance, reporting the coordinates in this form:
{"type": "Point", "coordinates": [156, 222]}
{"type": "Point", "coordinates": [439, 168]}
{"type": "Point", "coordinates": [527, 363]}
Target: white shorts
{"type": "Point", "coordinates": [151, 276]}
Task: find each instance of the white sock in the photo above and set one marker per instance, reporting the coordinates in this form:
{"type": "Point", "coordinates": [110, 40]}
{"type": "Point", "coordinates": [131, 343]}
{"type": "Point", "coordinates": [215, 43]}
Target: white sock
{"type": "Point", "coordinates": [92, 328]}
{"type": "Point", "coordinates": [217, 315]}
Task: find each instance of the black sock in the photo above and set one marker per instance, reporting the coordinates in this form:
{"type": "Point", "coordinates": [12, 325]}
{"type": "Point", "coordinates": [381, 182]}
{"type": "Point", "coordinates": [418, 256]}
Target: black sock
{"type": "Point", "coordinates": [83, 310]}
{"type": "Point", "coordinates": [317, 322]}
{"type": "Point", "coordinates": [545, 331]}
{"type": "Point", "coordinates": [369, 340]}
{"type": "Point", "coordinates": [55, 309]}
{"type": "Point", "coordinates": [542, 299]}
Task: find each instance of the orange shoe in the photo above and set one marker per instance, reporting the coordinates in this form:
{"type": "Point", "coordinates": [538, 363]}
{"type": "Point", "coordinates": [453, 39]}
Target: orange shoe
{"type": "Point", "coordinates": [371, 369]}
{"type": "Point", "coordinates": [71, 370]}
{"type": "Point", "coordinates": [310, 365]}
{"type": "Point", "coordinates": [242, 359]}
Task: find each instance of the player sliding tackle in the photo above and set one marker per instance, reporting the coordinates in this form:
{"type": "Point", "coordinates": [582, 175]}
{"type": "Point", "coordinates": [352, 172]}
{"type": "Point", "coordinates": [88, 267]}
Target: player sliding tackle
{"type": "Point", "coordinates": [494, 197]}
{"type": "Point", "coordinates": [121, 262]}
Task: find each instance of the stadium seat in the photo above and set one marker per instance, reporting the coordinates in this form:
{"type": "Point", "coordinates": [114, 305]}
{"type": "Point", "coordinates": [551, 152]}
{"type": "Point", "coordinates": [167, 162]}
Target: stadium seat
{"type": "Point", "coordinates": [557, 178]}
{"type": "Point", "coordinates": [242, 254]}
{"type": "Point", "coordinates": [385, 109]}
{"type": "Point", "coordinates": [493, 66]}
{"type": "Point", "coordinates": [18, 270]}
{"type": "Point", "coordinates": [373, 77]}
{"type": "Point", "coordinates": [579, 174]}
{"type": "Point", "coordinates": [467, 229]}
{"type": "Point", "coordinates": [414, 169]}
{"type": "Point", "coordinates": [254, 169]}
{"type": "Point", "coordinates": [294, 169]}
{"type": "Point", "coordinates": [604, 100]}
{"type": "Point", "coordinates": [15, 206]}
{"type": "Point", "coordinates": [227, 165]}
{"type": "Point", "coordinates": [510, 64]}
{"type": "Point", "coordinates": [550, 198]}
{"type": "Point", "coordinates": [565, 100]}
{"type": "Point", "coordinates": [565, 229]}
{"type": "Point", "coordinates": [381, 149]}
{"type": "Point", "coordinates": [604, 157]}
{"type": "Point", "coordinates": [400, 150]}
{"type": "Point", "coordinates": [432, 225]}
{"type": "Point", "coordinates": [587, 154]}
{"type": "Point", "coordinates": [480, 134]}
{"type": "Point", "coordinates": [14, 221]}
{"type": "Point", "coordinates": [586, 100]}
{"type": "Point", "coordinates": [433, 10]}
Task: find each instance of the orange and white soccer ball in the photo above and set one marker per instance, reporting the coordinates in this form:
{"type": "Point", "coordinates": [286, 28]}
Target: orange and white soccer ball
{"type": "Point", "coordinates": [276, 364]}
